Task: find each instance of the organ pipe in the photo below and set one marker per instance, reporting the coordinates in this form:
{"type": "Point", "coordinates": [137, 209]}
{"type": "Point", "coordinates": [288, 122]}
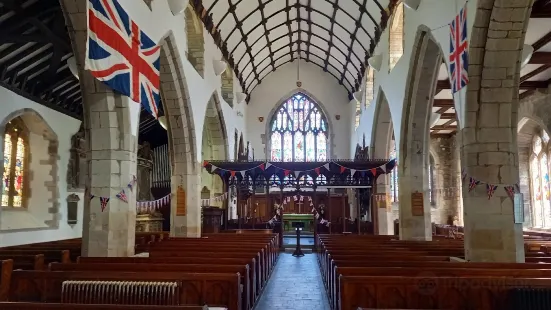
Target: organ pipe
{"type": "Point", "coordinates": [161, 167]}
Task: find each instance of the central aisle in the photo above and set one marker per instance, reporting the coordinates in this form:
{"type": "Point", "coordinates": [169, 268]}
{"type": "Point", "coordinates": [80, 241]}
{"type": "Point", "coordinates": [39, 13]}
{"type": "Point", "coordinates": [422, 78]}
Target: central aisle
{"type": "Point", "coordinates": [295, 284]}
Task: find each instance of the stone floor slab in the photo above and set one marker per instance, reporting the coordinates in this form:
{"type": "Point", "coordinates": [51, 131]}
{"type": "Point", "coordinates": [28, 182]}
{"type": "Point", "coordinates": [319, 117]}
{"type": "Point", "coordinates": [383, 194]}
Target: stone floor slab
{"type": "Point", "coordinates": [296, 284]}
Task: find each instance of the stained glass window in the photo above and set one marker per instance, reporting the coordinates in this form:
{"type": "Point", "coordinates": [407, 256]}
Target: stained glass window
{"type": "Point", "coordinates": [299, 131]}
{"type": "Point", "coordinates": [539, 182]}
{"type": "Point", "coordinates": [369, 86]}
{"type": "Point", "coordinates": [15, 151]}
{"type": "Point", "coordinates": [396, 36]}
{"type": "Point", "coordinates": [393, 175]}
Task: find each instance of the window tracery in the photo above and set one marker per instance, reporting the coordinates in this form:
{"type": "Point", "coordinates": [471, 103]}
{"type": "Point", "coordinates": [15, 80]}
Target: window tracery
{"type": "Point", "coordinates": [539, 176]}
{"type": "Point", "coordinates": [15, 164]}
{"type": "Point", "coordinates": [396, 37]}
{"type": "Point", "coordinates": [299, 131]}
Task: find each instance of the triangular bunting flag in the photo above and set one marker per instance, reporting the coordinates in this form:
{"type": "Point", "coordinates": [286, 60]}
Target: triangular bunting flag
{"type": "Point", "coordinates": [232, 173]}
{"type": "Point", "coordinates": [286, 172]}
{"type": "Point", "coordinates": [130, 186]}
{"type": "Point", "coordinates": [343, 169]}
{"type": "Point", "coordinates": [490, 189]}
{"type": "Point", "coordinates": [510, 191]}
{"type": "Point", "coordinates": [326, 166]}
{"type": "Point", "coordinates": [317, 170]}
{"type": "Point", "coordinates": [261, 166]}
{"type": "Point", "coordinates": [473, 183]}
{"type": "Point", "coordinates": [122, 196]}
{"type": "Point", "coordinates": [243, 173]}
{"type": "Point", "coordinates": [103, 202]}
{"type": "Point", "coordinates": [362, 173]}
{"type": "Point", "coordinates": [297, 173]}
{"type": "Point", "coordinates": [267, 166]}
{"type": "Point", "coordinates": [92, 196]}
{"type": "Point", "coordinates": [373, 171]}
{"type": "Point", "coordinates": [352, 172]}
{"type": "Point", "coordinates": [205, 163]}
{"type": "Point", "coordinates": [383, 167]}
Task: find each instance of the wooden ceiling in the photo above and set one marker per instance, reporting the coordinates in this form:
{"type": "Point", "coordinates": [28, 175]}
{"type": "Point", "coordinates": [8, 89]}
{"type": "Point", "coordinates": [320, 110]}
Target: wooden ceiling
{"type": "Point", "coordinates": [34, 48]}
{"type": "Point", "coordinates": [259, 36]}
{"type": "Point", "coordinates": [536, 74]}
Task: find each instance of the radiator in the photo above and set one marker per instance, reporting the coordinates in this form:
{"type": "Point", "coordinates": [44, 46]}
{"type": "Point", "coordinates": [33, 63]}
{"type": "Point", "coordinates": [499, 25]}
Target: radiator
{"type": "Point", "coordinates": [530, 299]}
{"type": "Point", "coordinates": [120, 292]}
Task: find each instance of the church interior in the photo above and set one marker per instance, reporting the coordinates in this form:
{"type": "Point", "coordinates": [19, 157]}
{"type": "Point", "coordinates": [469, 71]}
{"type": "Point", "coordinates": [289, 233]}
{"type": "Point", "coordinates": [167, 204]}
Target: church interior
{"type": "Point", "coordinates": [275, 154]}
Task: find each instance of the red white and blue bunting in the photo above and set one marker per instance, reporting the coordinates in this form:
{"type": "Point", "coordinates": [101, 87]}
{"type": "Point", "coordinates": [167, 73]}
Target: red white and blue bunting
{"type": "Point", "coordinates": [120, 195]}
{"type": "Point", "coordinates": [207, 202]}
{"type": "Point", "coordinates": [153, 204]}
{"type": "Point", "coordinates": [510, 189]}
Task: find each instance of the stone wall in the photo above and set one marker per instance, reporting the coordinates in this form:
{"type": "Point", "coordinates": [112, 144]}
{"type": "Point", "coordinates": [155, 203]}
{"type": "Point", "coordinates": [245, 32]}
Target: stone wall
{"type": "Point", "coordinates": [446, 174]}
{"type": "Point", "coordinates": [195, 41]}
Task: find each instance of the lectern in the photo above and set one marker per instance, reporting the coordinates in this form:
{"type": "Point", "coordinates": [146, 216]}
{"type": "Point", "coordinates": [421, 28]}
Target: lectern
{"type": "Point", "coordinates": [298, 226]}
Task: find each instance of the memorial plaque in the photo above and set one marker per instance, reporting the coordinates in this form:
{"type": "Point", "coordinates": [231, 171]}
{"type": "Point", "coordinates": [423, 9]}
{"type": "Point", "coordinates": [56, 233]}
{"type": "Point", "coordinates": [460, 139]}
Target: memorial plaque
{"type": "Point", "coordinates": [417, 204]}
{"type": "Point", "coordinates": [181, 207]}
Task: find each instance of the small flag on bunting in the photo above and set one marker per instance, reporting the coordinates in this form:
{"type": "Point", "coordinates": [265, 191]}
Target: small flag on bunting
{"type": "Point", "coordinates": [286, 172]}
{"type": "Point", "coordinates": [205, 163]}
{"type": "Point", "coordinates": [473, 183]}
{"type": "Point", "coordinates": [232, 173]}
{"type": "Point", "coordinates": [491, 189]}
{"type": "Point", "coordinates": [510, 191]}
{"type": "Point", "coordinates": [122, 196]}
{"type": "Point", "coordinates": [373, 171]}
{"type": "Point", "coordinates": [343, 169]}
{"type": "Point", "coordinates": [103, 201]}
{"type": "Point", "coordinates": [92, 196]}
{"type": "Point", "coordinates": [317, 170]}
{"type": "Point", "coordinates": [261, 166]}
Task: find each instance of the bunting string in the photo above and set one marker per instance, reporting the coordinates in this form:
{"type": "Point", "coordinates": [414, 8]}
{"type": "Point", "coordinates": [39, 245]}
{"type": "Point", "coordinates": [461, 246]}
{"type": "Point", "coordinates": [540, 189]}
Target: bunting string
{"type": "Point", "coordinates": [510, 189]}
{"type": "Point", "coordinates": [151, 205]}
{"type": "Point", "coordinates": [121, 195]}
{"type": "Point", "coordinates": [207, 202]}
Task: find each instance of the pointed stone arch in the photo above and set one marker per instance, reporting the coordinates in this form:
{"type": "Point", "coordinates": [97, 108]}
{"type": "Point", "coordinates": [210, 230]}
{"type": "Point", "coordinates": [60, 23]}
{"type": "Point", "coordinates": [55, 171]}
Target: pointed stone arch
{"type": "Point", "coordinates": [182, 140]}
{"type": "Point", "coordinates": [241, 151]}
{"type": "Point", "coordinates": [195, 40]}
{"type": "Point", "coordinates": [414, 138]}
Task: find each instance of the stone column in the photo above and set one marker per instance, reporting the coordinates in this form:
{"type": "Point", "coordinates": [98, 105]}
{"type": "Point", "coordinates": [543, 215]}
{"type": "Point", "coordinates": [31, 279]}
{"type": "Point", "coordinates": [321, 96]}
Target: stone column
{"type": "Point", "coordinates": [111, 125]}
{"type": "Point", "coordinates": [383, 204]}
{"type": "Point", "coordinates": [186, 224]}
{"type": "Point", "coordinates": [489, 137]}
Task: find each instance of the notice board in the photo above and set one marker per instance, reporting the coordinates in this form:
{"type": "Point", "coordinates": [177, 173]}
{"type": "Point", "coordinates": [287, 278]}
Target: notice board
{"type": "Point", "coordinates": [181, 207]}
{"type": "Point", "coordinates": [417, 204]}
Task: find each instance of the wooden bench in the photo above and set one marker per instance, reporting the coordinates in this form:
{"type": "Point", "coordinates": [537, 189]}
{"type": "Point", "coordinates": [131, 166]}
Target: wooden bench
{"type": "Point", "coordinates": [192, 288]}
{"type": "Point", "coordinates": [243, 270]}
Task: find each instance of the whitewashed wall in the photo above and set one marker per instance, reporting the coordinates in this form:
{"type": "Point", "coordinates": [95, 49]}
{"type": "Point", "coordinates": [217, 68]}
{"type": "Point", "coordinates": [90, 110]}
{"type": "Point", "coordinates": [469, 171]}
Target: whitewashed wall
{"type": "Point", "coordinates": [321, 86]}
{"type": "Point", "coordinates": [434, 15]}
{"type": "Point", "coordinates": [27, 226]}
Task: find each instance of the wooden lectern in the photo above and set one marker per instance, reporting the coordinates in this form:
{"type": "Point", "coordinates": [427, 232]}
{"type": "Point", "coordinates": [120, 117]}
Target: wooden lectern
{"type": "Point", "coordinates": [212, 219]}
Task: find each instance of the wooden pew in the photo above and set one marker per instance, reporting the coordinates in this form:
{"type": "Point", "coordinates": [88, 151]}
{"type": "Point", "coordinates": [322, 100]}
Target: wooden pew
{"type": "Point", "coordinates": [193, 288]}
{"type": "Point", "coordinates": [255, 292]}
{"type": "Point", "coordinates": [243, 270]}
{"type": "Point", "coordinates": [26, 262]}
{"type": "Point", "coordinates": [49, 256]}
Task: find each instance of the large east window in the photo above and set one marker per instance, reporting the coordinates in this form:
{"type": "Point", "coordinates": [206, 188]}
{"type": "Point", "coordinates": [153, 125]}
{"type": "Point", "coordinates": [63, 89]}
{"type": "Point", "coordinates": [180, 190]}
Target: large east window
{"type": "Point", "coordinates": [15, 164]}
{"type": "Point", "coordinates": [299, 131]}
{"type": "Point", "coordinates": [539, 175]}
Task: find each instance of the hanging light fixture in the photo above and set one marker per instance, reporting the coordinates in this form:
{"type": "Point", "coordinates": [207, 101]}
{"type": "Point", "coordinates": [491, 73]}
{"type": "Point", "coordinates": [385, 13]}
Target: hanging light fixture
{"type": "Point", "coordinates": [177, 7]}
{"type": "Point", "coordinates": [219, 66]}
{"type": "Point", "coordinates": [72, 63]}
{"type": "Point", "coordinates": [375, 62]}
{"type": "Point", "coordinates": [163, 122]}
{"type": "Point", "coordinates": [240, 97]}
{"type": "Point", "coordinates": [412, 4]}
{"type": "Point", "coordinates": [527, 52]}
{"type": "Point", "coordinates": [434, 118]}
{"type": "Point", "coordinates": [299, 83]}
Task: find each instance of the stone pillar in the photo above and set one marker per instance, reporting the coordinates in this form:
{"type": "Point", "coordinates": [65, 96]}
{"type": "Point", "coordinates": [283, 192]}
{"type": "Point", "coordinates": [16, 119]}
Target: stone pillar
{"type": "Point", "coordinates": [489, 137]}
{"type": "Point", "coordinates": [383, 204]}
{"type": "Point", "coordinates": [111, 125]}
{"type": "Point", "coordinates": [186, 224]}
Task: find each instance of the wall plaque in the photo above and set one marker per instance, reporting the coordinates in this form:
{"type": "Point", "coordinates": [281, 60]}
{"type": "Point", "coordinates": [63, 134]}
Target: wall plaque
{"type": "Point", "coordinates": [181, 207]}
{"type": "Point", "coordinates": [417, 204]}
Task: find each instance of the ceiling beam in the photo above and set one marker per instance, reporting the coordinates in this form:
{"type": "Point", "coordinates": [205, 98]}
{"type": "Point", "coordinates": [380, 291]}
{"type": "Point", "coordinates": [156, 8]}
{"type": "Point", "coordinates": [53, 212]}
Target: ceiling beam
{"type": "Point", "coordinates": [540, 58]}
{"type": "Point", "coordinates": [533, 73]}
{"type": "Point", "coordinates": [441, 127]}
{"type": "Point", "coordinates": [533, 85]}
{"type": "Point", "coordinates": [448, 116]}
{"type": "Point", "coordinates": [542, 41]}
{"type": "Point", "coordinates": [443, 103]}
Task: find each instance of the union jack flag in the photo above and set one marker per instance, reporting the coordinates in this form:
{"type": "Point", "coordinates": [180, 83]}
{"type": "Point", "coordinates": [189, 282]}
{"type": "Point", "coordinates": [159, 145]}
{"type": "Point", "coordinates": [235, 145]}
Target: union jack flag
{"type": "Point", "coordinates": [122, 196]}
{"type": "Point", "coordinates": [459, 57]}
{"type": "Point", "coordinates": [491, 189]}
{"type": "Point", "coordinates": [473, 183]}
{"type": "Point", "coordinates": [103, 201]}
{"type": "Point", "coordinates": [121, 55]}
{"type": "Point", "coordinates": [510, 191]}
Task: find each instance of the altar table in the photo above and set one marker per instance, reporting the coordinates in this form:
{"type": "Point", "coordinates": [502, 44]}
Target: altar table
{"type": "Point", "coordinates": [288, 219]}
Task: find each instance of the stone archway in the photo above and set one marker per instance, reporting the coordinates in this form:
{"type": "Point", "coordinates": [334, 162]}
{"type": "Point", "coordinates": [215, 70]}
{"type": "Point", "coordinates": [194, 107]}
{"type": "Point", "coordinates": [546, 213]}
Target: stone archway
{"type": "Point", "coordinates": [195, 40]}
{"type": "Point", "coordinates": [489, 143]}
{"type": "Point", "coordinates": [182, 146]}
{"type": "Point", "coordinates": [415, 221]}
{"type": "Point", "coordinates": [214, 146]}
{"type": "Point", "coordinates": [111, 151]}
{"type": "Point", "coordinates": [381, 136]}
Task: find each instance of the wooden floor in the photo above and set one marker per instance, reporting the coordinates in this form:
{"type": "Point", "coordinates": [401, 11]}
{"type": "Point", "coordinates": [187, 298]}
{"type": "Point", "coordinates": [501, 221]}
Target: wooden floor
{"type": "Point", "coordinates": [295, 284]}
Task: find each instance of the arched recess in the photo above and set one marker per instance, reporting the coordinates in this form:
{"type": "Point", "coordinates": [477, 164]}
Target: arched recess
{"type": "Point", "coordinates": [381, 144]}
{"type": "Point", "coordinates": [119, 140]}
{"type": "Point", "coordinates": [329, 135]}
{"type": "Point", "coordinates": [528, 128]}
{"type": "Point", "coordinates": [214, 146]}
{"type": "Point", "coordinates": [30, 172]}
{"type": "Point", "coordinates": [227, 85]}
{"type": "Point", "coordinates": [241, 146]}
{"type": "Point", "coordinates": [182, 140]}
{"type": "Point", "coordinates": [414, 139]}
{"type": "Point", "coordinates": [195, 40]}
{"type": "Point", "coordinates": [396, 36]}
{"type": "Point", "coordinates": [489, 143]}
